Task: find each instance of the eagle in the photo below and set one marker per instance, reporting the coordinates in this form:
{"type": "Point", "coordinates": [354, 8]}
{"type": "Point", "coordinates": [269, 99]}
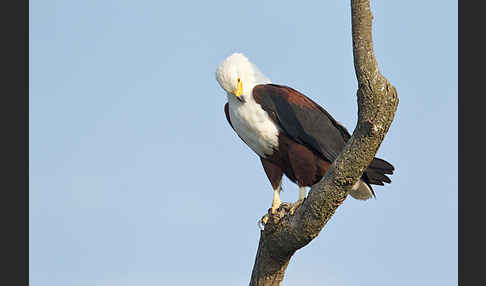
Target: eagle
{"type": "Point", "coordinates": [292, 134]}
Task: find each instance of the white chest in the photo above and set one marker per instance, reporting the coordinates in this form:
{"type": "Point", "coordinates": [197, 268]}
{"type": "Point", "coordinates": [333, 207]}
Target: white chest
{"type": "Point", "coordinates": [253, 125]}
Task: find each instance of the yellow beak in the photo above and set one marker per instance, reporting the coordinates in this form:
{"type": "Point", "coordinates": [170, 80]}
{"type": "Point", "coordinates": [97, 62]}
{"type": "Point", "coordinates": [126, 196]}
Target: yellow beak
{"type": "Point", "coordinates": [239, 90]}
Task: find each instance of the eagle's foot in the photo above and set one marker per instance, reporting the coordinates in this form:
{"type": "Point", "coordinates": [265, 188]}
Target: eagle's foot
{"type": "Point", "coordinates": [293, 206]}
{"type": "Point", "coordinates": [278, 211]}
{"type": "Point", "coordinates": [275, 213]}
{"type": "Point", "coordinates": [274, 208]}
{"type": "Point", "coordinates": [263, 221]}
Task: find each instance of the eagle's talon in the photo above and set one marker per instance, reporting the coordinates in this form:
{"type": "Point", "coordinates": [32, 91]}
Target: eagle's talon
{"type": "Point", "coordinates": [263, 221]}
{"type": "Point", "coordinates": [295, 205]}
{"type": "Point", "coordinates": [285, 206]}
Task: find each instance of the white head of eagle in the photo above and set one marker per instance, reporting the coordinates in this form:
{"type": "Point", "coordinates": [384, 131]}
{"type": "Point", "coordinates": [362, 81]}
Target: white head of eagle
{"type": "Point", "coordinates": [236, 74]}
{"type": "Point", "coordinates": [290, 133]}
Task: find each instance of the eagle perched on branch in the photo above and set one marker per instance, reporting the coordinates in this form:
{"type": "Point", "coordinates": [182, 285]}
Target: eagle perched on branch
{"type": "Point", "coordinates": [291, 133]}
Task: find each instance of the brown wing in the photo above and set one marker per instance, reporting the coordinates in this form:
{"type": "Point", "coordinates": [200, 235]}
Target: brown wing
{"type": "Point", "coordinates": [307, 123]}
{"type": "Point", "coordinates": [303, 120]}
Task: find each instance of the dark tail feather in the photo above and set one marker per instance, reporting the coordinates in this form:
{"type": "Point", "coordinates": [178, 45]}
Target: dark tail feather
{"type": "Point", "coordinates": [376, 178]}
{"type": "Point", "coordinates": [381, 165]}
{"type": "Point", "coordinates": [376, 173]}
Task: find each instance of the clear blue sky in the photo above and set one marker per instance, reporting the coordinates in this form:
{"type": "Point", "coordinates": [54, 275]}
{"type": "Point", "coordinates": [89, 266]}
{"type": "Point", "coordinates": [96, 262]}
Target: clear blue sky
{"type": "Point", "coordinates": [136, 178]}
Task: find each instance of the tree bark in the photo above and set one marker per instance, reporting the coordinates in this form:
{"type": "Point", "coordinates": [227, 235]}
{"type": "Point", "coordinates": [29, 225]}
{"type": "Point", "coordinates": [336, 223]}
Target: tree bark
{"type": "Point", "coordinates": [285, 232]}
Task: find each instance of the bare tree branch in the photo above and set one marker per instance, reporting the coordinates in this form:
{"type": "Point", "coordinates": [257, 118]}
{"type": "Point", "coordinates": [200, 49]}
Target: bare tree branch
{"type": "Point", "coordinates": [284, 232]}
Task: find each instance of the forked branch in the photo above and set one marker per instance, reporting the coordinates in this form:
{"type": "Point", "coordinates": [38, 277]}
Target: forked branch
{"type": "Point", "coordinates": [285, 233]}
